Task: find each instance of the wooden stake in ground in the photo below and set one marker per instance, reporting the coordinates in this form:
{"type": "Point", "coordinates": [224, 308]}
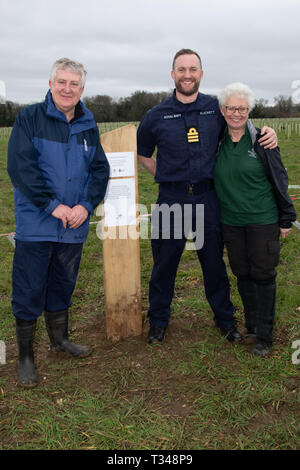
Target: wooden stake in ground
{"type": "Point", "coordinates": [121, 251]}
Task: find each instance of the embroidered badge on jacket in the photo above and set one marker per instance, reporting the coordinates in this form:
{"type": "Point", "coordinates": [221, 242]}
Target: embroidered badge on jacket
{"type": "Point", "coordinates": [252, 154]}
{"type": "Point", "coordinates": [192, 135]}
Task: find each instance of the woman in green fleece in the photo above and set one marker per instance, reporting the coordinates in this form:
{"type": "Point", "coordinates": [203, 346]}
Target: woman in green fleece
{"type": "Point", "coordinates": [251, 183]}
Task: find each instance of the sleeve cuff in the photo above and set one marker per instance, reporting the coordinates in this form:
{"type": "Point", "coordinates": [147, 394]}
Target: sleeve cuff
{"type": "Point", "coordinates": [144, 152]}
{"type": "Point", "coordinates": [88, 206]}
{"type": "Point", "coordinates": [52, 206]}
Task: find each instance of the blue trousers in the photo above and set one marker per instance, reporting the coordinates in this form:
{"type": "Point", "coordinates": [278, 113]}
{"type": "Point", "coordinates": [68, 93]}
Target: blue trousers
{"type": "Point", "coordinates": [167, 253]}
{"type": "Point", "coordinates": [44, 277]}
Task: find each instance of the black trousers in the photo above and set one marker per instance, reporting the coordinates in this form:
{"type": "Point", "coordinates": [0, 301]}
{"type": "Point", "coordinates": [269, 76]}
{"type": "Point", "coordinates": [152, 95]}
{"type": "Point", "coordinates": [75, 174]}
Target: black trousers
{"type": "Point", "coordinates": [253, 251]}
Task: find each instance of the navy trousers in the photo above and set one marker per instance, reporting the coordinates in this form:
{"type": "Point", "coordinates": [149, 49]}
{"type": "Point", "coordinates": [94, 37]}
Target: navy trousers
{"type": "Point", "coordinates": [167, 252]}
{"type": "Point", "coordinates": [44, 277]}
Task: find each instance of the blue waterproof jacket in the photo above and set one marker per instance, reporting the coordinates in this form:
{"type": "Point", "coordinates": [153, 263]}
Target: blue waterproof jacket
{"type": "Point", "coordinates": [52, 161]}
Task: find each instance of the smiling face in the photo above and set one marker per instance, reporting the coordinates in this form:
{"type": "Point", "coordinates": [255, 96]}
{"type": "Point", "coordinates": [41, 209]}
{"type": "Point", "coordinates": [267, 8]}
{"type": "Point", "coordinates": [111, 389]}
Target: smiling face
{"type": "Point", "coordinates": [236, 120]}
{"type": "Point", "coordinates": [66, 90]}
{"type": "Point", "coordinates": [187, 74]}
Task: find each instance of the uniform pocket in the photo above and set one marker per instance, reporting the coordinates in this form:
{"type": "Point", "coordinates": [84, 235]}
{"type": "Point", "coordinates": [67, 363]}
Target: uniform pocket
{"type": "Point", "coordinates": [273, 247]}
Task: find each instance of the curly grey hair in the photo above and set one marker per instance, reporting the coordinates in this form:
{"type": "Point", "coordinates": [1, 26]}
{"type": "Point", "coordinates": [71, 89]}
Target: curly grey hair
{"type": "Point", "coordinates": [239, 90]}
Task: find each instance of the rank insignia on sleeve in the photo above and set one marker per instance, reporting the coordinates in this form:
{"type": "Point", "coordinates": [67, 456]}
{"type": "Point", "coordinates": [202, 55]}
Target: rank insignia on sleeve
{"type": "Point", "coordinates": [193, 135]}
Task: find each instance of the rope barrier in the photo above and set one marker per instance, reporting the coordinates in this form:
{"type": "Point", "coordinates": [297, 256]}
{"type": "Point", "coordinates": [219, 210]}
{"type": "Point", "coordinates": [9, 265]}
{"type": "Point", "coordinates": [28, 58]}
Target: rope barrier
{"type": "Point", "coordinates": [294, 197]}
{"type": "Point", "coordinates": [10, 235]}
{"type": "Point", "coordinates": [6, 234]}
{"type": "Point", "coordinates": [296, 224]}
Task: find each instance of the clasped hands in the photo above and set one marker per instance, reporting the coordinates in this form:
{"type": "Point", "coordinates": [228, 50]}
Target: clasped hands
{"type": "Point", "coordinates": [73, 217]}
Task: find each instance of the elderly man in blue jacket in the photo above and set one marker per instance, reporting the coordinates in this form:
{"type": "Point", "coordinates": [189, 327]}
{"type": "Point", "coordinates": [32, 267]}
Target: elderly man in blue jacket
{"type": "Point", "coordinates": [59, 172]}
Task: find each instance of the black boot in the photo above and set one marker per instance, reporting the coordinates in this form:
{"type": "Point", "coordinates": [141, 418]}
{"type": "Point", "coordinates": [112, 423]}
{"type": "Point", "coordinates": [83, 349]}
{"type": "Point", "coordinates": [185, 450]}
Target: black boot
{"type": "Point", "coordinates": [156, 334]}
{"type": "Point", "coordinates": [57, 328]}
{"type": "Point", "coordinates": [231, 334]}
{"type": "Point", "coordinates": [248, 292]}
{"type": "Point", "coordinates": [25, 331]}
{"type": "Point", "coordinates": [265, 318]}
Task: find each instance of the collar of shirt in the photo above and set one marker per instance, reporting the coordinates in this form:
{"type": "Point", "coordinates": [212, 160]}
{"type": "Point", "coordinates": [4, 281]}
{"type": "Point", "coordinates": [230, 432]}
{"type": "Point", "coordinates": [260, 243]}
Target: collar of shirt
{"type": "Point", "coordinates": [199, 104]}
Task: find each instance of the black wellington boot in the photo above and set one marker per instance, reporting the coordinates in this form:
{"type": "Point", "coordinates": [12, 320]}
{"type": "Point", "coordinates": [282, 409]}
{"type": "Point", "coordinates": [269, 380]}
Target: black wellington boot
{"type": "Point", "coordinates": [25, 331]}
{"type": "Point", "coordinates": [249, 295]}
{"type": "Point", "coordinates": [265, 319]}
{"type": "Point", "coordinates": [57, 328]}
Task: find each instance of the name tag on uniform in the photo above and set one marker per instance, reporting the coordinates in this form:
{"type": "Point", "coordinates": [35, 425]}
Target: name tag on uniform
{"type": "Point", "coordinates": [192, 135]}
{"type": "Point", "coordinates": [172, 116]}
{"type": "Point", "coordinates": [207, 113]}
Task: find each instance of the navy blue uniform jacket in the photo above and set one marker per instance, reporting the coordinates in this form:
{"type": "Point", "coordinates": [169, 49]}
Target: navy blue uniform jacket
{"type": "Point", "coordinates": [186, 137]}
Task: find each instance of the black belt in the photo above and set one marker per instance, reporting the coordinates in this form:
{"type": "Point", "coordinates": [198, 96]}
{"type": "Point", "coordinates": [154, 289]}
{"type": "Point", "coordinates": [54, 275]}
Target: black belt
{"type": "Point", "coordinates": [189, 188]}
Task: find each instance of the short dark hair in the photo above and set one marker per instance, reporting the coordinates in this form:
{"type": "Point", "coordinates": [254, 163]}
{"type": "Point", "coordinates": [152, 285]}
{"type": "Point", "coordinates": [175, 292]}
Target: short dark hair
{"type": "Point", "coordinates": [184, 52]}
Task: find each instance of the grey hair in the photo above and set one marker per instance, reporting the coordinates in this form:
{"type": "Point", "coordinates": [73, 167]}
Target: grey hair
{"type": "Point", "coordinates": [239, 90]}
{"type": "Point", "coordinates": [69, 65]}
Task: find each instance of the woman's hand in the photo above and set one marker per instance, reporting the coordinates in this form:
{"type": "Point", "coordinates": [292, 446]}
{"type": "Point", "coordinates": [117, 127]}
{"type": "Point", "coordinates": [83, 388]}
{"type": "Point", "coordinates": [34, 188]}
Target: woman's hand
{"type": "Point", "coordinates": [285, 231]}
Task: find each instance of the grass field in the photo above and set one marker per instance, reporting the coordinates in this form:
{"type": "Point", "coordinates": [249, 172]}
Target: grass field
{"type": "Point", "coordinates": [196, 391]}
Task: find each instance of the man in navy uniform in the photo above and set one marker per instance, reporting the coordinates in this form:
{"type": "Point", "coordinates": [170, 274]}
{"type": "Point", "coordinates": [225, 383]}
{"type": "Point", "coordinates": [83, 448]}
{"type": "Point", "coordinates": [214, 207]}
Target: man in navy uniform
{"type": "Point", "coordinates": [186, 128]}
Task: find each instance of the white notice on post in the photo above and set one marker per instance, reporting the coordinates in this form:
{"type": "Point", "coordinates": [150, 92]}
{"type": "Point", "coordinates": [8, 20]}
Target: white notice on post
{"type": "Point", "coordinates": [121, 164]}
{"type": "Point", "coordinates": [119, 203]}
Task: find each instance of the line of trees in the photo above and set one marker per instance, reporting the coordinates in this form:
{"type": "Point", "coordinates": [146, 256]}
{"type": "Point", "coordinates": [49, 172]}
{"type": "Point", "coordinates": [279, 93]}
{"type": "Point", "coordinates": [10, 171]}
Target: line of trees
{"type": "Point", "coordinates": [283, 107]}
{"type": "Point", "coordinates": [8, 113]}
{"type": "Point", "coordinates": [132, 108]}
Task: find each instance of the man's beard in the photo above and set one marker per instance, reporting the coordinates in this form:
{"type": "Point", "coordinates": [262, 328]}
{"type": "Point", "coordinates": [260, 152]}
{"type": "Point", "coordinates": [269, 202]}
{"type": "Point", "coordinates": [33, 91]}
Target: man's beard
{"type": "Point", "coordinates": [189, 92]}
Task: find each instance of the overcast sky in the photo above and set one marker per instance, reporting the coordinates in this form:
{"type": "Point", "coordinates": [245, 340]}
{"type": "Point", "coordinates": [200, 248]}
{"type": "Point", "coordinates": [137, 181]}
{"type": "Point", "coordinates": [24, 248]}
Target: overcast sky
{"type": "Point", "coordinates": [129, 45]}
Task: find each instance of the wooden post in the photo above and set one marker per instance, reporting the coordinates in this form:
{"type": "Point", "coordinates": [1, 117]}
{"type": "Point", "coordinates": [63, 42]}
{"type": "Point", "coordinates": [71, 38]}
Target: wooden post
{"type": "Point", "coordinates": [121, 254]}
